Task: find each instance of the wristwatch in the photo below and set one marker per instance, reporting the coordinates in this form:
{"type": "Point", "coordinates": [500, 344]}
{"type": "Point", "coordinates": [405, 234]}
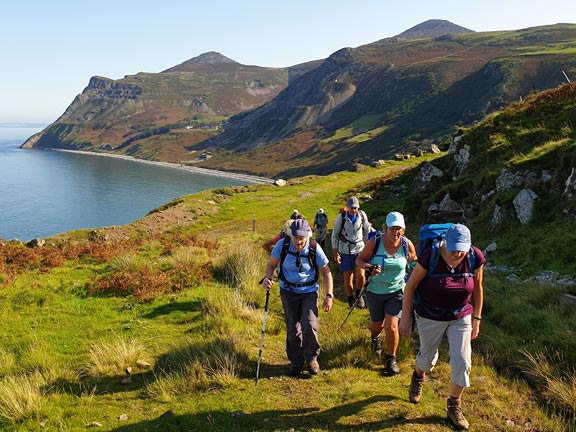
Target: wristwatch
{"type": "Point", "coordinates": [330, 295]}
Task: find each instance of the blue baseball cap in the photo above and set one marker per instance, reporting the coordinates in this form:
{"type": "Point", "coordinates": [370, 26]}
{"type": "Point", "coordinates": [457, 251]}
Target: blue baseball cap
{"type": "Point", "coordinates": [458, 238]}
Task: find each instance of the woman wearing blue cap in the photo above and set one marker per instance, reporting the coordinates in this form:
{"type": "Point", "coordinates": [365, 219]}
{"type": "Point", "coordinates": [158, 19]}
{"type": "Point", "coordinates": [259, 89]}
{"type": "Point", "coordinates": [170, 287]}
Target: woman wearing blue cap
{"type": "Point", "coordinates": [299, 263]}
{"type": "Point", "coordinates": [386, 257]}
{"type": "Point", "coordinates": [447, 293]}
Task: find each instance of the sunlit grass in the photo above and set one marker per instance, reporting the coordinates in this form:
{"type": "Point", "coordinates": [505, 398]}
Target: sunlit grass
{"type": "Point", "coordinates": [21, 397]}
{"type": "Point", "coordinates": [113, 357]}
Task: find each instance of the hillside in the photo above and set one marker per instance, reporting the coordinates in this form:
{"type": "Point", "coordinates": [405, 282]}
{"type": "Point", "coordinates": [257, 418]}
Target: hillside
{"type": "Point", "coordinates": [157, 116]}
{"type": "Point", "coordinates": [394, 96]}
{"type": "Point", "coordinates": [157, 325]}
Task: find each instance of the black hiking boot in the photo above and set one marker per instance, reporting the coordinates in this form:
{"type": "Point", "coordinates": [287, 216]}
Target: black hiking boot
{"type": "Point", "coordinates": [391, 365]}
{"type": "Point", "coordinates": [376, 346]}
{"type": "Point", "coordinates": [360, 304]}
{"type": "Point", "coordinates": [295, 370]}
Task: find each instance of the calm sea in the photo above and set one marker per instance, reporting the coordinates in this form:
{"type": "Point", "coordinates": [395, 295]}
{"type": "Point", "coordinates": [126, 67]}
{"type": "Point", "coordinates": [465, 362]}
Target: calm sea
{"type": "Point", "coordinates": [43, 193]}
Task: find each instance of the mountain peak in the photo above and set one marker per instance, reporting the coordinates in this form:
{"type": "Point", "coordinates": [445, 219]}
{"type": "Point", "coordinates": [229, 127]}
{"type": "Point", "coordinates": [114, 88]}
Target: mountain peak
{"type": "Point", "coordinates": [207, 58]}
{"type": "Point", "coordinates": [433, 28]}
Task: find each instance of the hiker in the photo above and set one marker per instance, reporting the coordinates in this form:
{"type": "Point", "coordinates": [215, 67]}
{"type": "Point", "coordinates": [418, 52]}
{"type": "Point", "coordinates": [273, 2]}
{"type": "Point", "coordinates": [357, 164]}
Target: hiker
{"type": "Point", "coordinates": [448, 299]}
{"type": "Point", "coordinates": [387, 254]}
{"type": "Point", "coordinates": [321, 226]}
{"type": "Point", "coordinates": [269, 244]}
{"type": "Point", "coordinates": [298, 270]}
{"type": "Point", "coordinates": [349, 235]}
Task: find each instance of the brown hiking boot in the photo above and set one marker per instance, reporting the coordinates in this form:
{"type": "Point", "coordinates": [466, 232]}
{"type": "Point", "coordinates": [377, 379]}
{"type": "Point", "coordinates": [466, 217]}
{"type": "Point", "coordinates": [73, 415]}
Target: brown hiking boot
{"type": "Point", "coordinates": [415, 390]}
{"type": "Point", "coordinates": [455, 415]}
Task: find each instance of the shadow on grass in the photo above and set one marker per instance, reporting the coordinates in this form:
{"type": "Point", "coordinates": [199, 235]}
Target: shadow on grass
{"type": "Point", "coordinates": [333, 419]}
{"type": "Point", "coordinates": [195, 306]}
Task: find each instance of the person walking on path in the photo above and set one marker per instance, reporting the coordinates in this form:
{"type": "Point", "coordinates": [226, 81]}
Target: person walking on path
{"type": "Point", "coordinates": [387, 255]}
{"type": "Point", "coordinates": [321, 227]}
{"type": "Point", "coordinates": [448, 297]}
{"type": "Point", "coordinates": [269, 244]}
{"type": "Point", "coordinates": [349, 235]}
{"type": "Point", "coordinates": [299, 261]}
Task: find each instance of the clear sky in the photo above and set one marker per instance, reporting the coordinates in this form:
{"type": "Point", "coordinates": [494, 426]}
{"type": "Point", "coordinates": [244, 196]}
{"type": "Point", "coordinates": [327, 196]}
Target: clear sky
{"type": "Point", "coordinates": [50, 48]}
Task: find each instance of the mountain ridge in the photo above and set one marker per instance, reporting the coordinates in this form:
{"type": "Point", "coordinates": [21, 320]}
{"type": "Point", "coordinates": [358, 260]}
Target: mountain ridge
{"type": "Point", "coordinates": [393, 96]}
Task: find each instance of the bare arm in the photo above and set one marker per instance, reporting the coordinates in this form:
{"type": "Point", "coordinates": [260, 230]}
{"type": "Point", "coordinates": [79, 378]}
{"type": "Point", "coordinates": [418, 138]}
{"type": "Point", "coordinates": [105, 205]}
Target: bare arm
{"type": "Point", "coordinates": [477, 300]}
{"type": "Point", "coordinates": [328, 286]}
{"type": "Point", "coordinates": [267, 281]}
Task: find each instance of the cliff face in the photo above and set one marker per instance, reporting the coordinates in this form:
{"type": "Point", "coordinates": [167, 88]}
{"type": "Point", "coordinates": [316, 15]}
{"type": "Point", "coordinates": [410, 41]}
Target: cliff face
{"type": "Point", "coordinates": [400, 95]}
{"type": "Point", "coordinates": [395, 96]}
{"type": "Point", "coordinates": [156, 116]}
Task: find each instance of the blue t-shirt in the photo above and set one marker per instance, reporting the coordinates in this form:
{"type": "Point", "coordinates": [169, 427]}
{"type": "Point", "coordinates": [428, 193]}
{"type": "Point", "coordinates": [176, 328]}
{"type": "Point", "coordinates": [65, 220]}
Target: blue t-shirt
{"type": "Point", "coordinates": [302, 274]}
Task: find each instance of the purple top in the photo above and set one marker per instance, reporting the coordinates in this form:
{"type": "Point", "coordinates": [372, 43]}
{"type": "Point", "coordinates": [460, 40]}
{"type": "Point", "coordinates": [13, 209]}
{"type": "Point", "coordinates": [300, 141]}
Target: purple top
{"type": "Point", "coordinates": [446, 298]}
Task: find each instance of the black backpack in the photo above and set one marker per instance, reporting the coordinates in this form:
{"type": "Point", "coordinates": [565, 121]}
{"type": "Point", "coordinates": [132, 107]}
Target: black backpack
{"type": "Point", "coordinates": [311, 258]}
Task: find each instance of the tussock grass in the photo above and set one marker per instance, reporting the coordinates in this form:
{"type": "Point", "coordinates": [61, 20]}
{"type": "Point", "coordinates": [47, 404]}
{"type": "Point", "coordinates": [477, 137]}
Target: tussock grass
{"type": "Point", "coordinates": [111, 358]}
{"type": "Point", "coordinates": [242, 266]}
{"type": "Point", "coordinates": [556, 379]}
{"type": "Point", "coordinates": [129, 262]}
{"type": "Point", "coordinates": [21, 397]}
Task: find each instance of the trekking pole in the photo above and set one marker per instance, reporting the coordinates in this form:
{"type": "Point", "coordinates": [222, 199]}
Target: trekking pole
{"type": "Point", "coordinates": [357, 298]}
{"type": "Point", "coordinates": [262, 338]}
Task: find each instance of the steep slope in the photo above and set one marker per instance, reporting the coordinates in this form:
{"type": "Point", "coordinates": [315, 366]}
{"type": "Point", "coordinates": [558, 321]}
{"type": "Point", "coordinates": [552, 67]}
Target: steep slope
{"type": "Point", "coordinates": [156, 115]}
{"type": "Point", "coordinates": [396, 95]}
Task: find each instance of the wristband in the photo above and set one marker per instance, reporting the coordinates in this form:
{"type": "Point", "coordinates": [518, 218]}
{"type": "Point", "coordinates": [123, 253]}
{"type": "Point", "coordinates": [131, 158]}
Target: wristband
{"type": "Point", "coordinates": [477, 318]}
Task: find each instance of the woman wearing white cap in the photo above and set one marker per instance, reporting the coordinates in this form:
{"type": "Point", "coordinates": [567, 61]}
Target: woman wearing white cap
{"type": "Point", "coordinates": [387, 256]}
{"type": "Point", "coordinates": [447, 293]}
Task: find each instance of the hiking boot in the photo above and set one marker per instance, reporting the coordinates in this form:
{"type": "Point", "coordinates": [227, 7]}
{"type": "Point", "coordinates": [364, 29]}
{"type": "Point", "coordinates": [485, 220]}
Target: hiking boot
{"type": "Point", "coordinates": [391, 365]}
{"type": "Point", "coordinates": [415, 390]}
{"type": "Point", "coordinates": [361, 304]}
{"type": "Point", "coordinates": [350, 301]}
{"type": "Point", "coordinates": [295, 370]}
{"type": "Point", "coordinates": [376, 347]}
{"type": "Point", "coordinates": [455, 415]}
{"type": "Point", "coordinates": [314, 367]}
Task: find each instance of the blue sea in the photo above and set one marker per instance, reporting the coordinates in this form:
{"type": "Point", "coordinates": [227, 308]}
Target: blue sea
{"type": "Point", "coordinates": [43, 192]}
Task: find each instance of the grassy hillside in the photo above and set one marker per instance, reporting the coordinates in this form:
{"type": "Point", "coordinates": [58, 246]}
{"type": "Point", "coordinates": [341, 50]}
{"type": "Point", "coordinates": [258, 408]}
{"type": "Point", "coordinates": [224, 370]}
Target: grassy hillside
{"type": "Point", "coordinates": [156, 325]}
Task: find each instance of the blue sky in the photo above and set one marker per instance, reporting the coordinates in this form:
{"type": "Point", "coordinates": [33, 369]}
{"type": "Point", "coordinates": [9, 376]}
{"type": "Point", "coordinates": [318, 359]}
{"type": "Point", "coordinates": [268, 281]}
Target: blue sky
{"type": "Point", "coordinates": [50, 49]}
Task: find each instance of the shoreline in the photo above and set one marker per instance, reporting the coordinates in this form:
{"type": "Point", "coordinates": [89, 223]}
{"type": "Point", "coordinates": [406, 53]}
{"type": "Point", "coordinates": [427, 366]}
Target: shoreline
{"type": "Point", "coordinates": [192, 169]}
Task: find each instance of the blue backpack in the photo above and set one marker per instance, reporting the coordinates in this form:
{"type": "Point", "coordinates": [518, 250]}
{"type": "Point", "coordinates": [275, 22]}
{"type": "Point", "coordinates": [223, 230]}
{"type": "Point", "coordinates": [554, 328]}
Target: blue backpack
{"type": "Point", "coordinates": [432, 235]}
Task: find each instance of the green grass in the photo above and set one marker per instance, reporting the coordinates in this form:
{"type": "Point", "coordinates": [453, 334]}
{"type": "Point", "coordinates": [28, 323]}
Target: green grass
{"type": "Point", "coordinates": [65, 352]}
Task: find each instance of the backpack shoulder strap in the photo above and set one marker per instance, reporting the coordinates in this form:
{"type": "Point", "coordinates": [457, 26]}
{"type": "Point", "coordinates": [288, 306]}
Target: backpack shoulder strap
{"type": "Point", "coordinates": [342, 221]}
{"type": "Point", "coordinates": [434, 254]}
{"type": "Point", "coordinates": [312, 254]}
{"type": "Point", "coordinates": [285, 247]}
{"type": "Point", "coordinates": [377, 239]}
{"type": "Point", "coordinates": [405, 247]}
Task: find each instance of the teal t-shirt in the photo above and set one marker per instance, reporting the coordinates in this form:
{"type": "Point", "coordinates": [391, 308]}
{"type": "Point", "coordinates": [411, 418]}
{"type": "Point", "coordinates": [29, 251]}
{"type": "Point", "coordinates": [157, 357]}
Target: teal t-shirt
{"type": "Point", "coordinates": [391, 279]}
